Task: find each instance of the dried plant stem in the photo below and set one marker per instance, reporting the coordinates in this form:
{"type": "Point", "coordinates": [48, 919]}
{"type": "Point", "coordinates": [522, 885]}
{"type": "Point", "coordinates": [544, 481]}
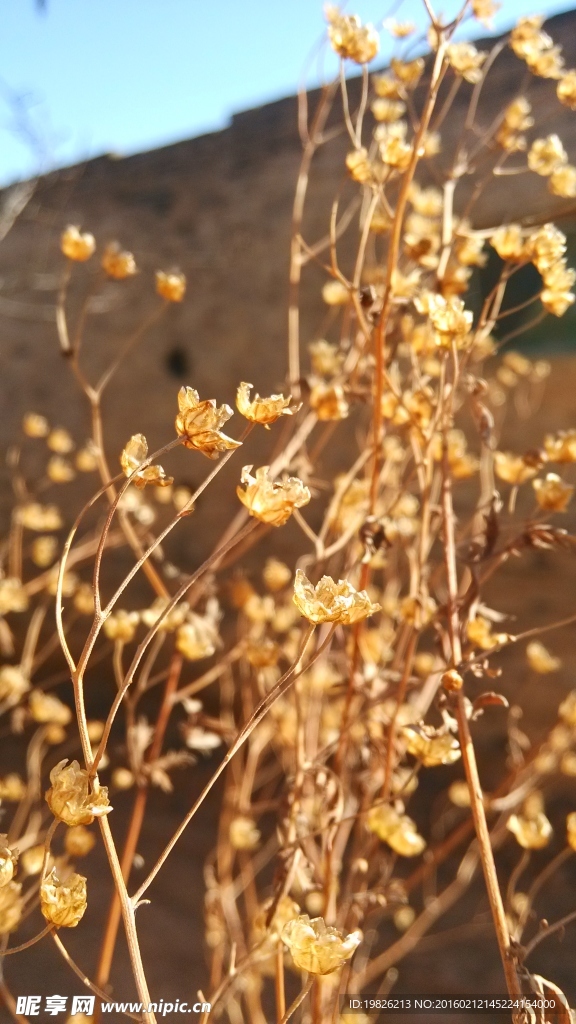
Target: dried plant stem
{"type": "Point", "coordinates": [136, 821]}
{"type": "Point", "coordinates": [299, 1000]}
{"type": "Point", "coordinates": [467, 746]}
{"type": "Point", "coordinates": [86, 981]}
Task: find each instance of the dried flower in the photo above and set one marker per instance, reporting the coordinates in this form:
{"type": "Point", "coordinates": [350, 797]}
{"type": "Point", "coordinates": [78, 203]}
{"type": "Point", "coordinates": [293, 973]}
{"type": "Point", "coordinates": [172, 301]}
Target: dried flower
{"type": "Point", "coordinates": [395, 829]}
{"type": "Point", "coordinates": [561, 447]}
{"type": "Point", "coordinates": [38, 517]}
{"type": "Point", "coordinates": [329, 402]}
{"type": "Point", "coordinates": [44, 551]}
{"type": "Point", "coordinates": [59, 470]}
{"type": "Point", "coordinates": [513, 469]}
{"type": "Point", "coordinates": [350, 39]}
{"type": "Point", "coordinates": [270, 502]}
{"type": "Point", "coordinates": [63, 903]}
{"type": "Point", "coordinates": [132, 457]}
{"type": "Point", "coordinates": [431, 747]}
{"type": "Point", "coordinates": [466, 60]}
{"type": "Point", "coordinates": [72, 799]}
{"type": "Point", "coordinates": [552, 494]}
{"type": "Point", "coordinates": [8, 861]}
{"type": "Point", "coordinates": [484, 11]}
{"type": "Point", "coordinates": [123, 778]}
{"type": "Point", "coordinates": [276, 575]}
{"type": "Point", "coordinates": [387, 110]}
{"type": "Point", "coordinates": [121, 625]}
{"type": "Point", "coordinates": [329, 601]}
{"type": "Point", "coordinates": [77, 246]}
{"type": "Point", "coordinates": [79, 841]}
{"type": "Point", "coordinates": [200, 424]}
{"type": "Point", "coordinates": [546, 155]}
{"type": "Point", "coordinates": [86, 459]}
{"type": "Point", "coordinates": [13, 683]}
{"type": "Point", "coordinates": [243, 834]}
{"type": "Point", "coordinates": [531, 832]}
{"type": "Point", "coordinates": [262, 410]}
{"type": "Point", "coordinates": [459, 793]}
{"type": "Point", "coordinates": [12, 788]}
{"type": "Point", "coordinates": [286, 910]}
{"type": "Point", "coordinates": [566, 90]}
{"type": "Point", "coordinates": [117, 263]}
{"type": "Point", "coordinates": [84, 599]}
{"type": "Point", "coordinates": [34, 425]}
{"type": "Point", "coordinates": [45, 707]}
{"type": "Point", "coordinates": [316, 947]}
{"type": "Point", "coordinates": [201, 739]}
{"type": "Point", "coordinates": [359, 166]}
{"type": "Point", "coordinates": [11, 907]}
{"type": "Point", "coordinates": [540, 660]}
{"type": "Point", "coordinates": [451, 321]}
{"type": "Point", "coordinates": [197, 637]}
{"type": "Point", "coordinates": [32, 860]}
{"type": "Point", "coordinates": [408, 73]}
{"type": "Point", "coordinates": [170, 286]}
{"type": "Point", "coordinates": [562, 182]}
{"type": "Point", "coordinates": [335, 293]}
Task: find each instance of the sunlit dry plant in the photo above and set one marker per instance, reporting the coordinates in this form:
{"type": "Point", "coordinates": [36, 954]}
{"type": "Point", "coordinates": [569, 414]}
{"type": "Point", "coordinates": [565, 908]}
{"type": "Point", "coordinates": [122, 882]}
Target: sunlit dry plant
{"type": "Point", "coordinates": [350, 674]}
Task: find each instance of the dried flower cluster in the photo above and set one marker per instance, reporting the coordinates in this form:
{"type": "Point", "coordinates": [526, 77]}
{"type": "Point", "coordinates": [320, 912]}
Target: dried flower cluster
{"type": "Point", "coordinates": [359, 662]}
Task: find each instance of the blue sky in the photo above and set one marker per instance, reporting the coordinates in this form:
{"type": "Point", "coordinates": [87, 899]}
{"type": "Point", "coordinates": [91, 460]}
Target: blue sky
{"type": "Point", "coordinates": [96, 76]}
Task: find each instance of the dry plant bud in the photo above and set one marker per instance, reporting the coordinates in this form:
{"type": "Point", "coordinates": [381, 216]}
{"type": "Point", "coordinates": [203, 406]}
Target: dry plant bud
{"type": "Point", "coordinates": [271, 503]}
{"type": "Point", "coordinates": [77, 246]}
{"type": "Point", "coordinates": [452, 680]}
{"type": "Point", "coordinates": [63, 903]}
{"type": "Point", "coordinates": [350, 38]}
{"type": "Point", "coordinates": [12, 788]}
{"type": "Point", "coordinates": [35, 425]}
{"type": "Point", "coordinates": [329, 601]}
{"type": "Point", "coordinates": [200, 424]}
{"type": "Point", "coordinates": [276, 575]}
{"type": "Point", "coordinates": [13, 597]}
{"type": "Point", "coordinates": [243, 834]}
{"type": "Point", "coordinates": [8, 861]}
{"type": "Point", "coordinates": [329, 402]}
{"type": "Point", "coordinates": [532, 833]}
{"type": "Point", "coordinates": [11, 907]}
{"type": "Point", "coordinates": [484, 11]}
{"type": "Point", "coordinates": [72, 798]}
{"type": "Point", "coordinates": [132, 457]}
{"type": "Point", "coordinates": [286, 910]}
{"type": "Point", "coordinates": [316, 947]}
{"type": "Point", "coordinates": [395, 829]}
{"type": "Point", "coordinates": [335, 293]}
{"type": "Point", "coordinates": [35, 516]}
{"type": "Point", "coordinates": [14, 683]}
{"type": "Point", "coordinates": [117, 263]}
{"type": "Point", "coordinates": [404, 918]}
{"type": "Point", "coordinates": [459, 793]}
{"type": "Point", "coordinates": [399, 29]}
{"type": "Point", "coordinates": [202, 740]}
{"type": "Point", "coordinates": [78, 841]}
{"type": "Point", "coordinates": [170, 286]}
{"type": "Point", "coordinates": [263, 410]}
{"type": "Point", "coordinates": [540, 660]}
{"type": "Point", "coordinates": [45, 707]}
{"type": "Point", "coordinates": [123, 778]}
{"type": "Point", "coordinates": [121, 625]}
